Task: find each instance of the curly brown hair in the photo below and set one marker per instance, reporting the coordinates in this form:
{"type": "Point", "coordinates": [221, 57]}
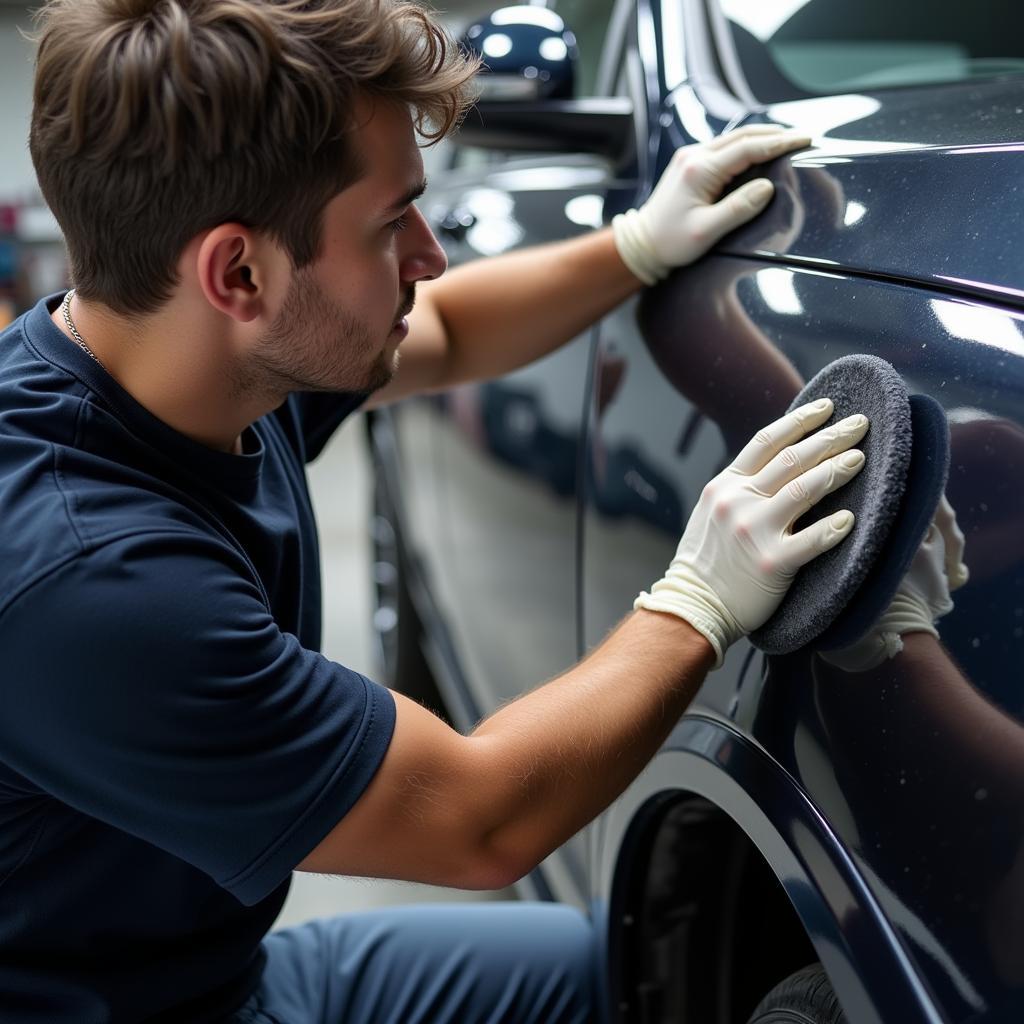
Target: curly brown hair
{"type": "Point", "coordinates": [154, 120]}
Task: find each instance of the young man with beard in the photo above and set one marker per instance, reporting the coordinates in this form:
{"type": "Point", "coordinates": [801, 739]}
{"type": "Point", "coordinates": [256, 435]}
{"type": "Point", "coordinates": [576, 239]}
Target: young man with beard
{"type": "Point", "coordinates": [236, 182]}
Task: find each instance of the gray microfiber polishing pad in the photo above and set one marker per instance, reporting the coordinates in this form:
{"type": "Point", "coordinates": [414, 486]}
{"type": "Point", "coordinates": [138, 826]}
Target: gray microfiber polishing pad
{"type": "Point", "coordinates": [926, 483]}
{"type": "Point", "coordinates": [824, 587]}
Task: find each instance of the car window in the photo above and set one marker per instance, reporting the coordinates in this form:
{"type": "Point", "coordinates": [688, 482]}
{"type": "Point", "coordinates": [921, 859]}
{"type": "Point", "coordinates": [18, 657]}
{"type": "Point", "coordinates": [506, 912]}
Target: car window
{"type": "Point", "coordinates": [588, 20]}
{"type": "Point", "coordinates": [790, 49]}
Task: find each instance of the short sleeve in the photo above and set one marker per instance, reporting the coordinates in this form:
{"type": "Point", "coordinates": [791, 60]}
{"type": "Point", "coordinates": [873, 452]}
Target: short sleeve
{"type": "Point", "coordinates": [146, 684]}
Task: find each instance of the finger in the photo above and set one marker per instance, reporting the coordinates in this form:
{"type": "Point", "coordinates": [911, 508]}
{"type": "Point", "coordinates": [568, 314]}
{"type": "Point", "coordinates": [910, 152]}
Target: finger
{"type": "Point", "coordinates": [752, 130]}
{"type": "Point", "coordinates": [817, 538]}
{"type": "Point", "coordinates": [770, 440]}
{"type": "Point", "coordinates": [711, 223]}
{"type": "Point", "coordinates": [764, 131]}
{"type": "Point", "coordinates": [798, 458]}
{"type": "Point", "coordinates": [803, 493]}
{"type": "Point", "coordinates": [953, 538]}
{"type": "Point", "coordinates": [738, 154]}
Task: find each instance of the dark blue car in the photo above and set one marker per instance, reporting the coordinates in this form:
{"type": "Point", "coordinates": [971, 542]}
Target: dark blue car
{"type": "Point", "coordinates": [806, 846]}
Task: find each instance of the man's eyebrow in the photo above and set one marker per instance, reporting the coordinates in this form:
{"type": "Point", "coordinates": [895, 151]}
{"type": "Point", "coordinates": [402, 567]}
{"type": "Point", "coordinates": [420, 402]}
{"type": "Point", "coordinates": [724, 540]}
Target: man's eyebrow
{"type": "Point", "coordinates": [409, 197]}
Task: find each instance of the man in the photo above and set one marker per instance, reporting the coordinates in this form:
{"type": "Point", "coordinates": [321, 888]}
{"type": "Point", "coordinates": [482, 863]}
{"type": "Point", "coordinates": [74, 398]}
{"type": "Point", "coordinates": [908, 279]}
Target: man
{"type": "Point", "coordinates": [236, 182]}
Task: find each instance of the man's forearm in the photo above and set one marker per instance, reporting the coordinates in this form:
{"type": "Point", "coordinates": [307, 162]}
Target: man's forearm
{"type": "Point", "coordinates": [506, 311]}
{"type": "Point", "coordinates": [558, 756]}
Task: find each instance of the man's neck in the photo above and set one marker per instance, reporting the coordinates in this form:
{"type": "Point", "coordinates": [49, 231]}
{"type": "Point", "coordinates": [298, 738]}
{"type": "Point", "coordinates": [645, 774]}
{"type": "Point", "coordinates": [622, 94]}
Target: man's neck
{"type": "Point", "coordinates": [173, 366]}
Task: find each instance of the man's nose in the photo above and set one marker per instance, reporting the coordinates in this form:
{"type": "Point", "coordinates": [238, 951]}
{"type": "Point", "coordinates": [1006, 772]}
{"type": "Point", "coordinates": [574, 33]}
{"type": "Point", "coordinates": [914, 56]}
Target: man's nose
{"type": "Point", "coordinates": [424, 259]}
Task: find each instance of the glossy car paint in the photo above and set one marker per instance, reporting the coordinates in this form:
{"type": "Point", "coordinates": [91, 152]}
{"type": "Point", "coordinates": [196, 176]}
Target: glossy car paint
{"type": "Point", "coordinates": [543, 502]}
{"type": "Point", "coordinates": [922, 784]}
{"type": "Point", "coordinates": [913, 185]}
{"type": "Point", "coordinates": [526, 52]}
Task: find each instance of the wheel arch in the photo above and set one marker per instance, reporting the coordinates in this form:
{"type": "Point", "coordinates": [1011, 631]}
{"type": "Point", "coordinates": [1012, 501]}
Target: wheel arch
{"type": "Point", "coordinates": [711, 777]}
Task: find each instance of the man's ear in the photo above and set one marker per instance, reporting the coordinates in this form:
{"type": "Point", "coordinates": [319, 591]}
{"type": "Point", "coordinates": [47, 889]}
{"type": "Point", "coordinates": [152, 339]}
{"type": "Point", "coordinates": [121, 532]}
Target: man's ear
{"type": "Point", "coordinates": [233, 271]}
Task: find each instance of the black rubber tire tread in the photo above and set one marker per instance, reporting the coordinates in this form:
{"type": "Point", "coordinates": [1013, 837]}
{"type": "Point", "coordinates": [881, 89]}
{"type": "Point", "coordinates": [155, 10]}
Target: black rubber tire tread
{"type": "Point", "coordinates": [805, 997]}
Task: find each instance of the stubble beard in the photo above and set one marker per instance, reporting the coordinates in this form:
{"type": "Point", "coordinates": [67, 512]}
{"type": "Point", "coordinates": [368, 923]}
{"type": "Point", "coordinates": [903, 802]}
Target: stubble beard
{"type": "Point", "coordinates": [315, 345]}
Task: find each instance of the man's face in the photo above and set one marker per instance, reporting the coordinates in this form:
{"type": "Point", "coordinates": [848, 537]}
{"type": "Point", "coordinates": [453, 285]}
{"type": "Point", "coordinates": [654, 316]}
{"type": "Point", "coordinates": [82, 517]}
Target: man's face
{"type": "Point", "coordinates": [341, 321]}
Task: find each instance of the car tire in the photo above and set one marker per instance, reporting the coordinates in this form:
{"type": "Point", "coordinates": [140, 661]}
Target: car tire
{"type": "Point", "coordinates": [396, 622]}
{"type": "Point", "coordinates": [805, 997]}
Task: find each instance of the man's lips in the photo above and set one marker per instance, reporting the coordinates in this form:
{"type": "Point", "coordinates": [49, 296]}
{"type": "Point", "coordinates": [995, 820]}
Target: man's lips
{"type": "Point", "coordinates": [401, 325]}
{"type": "Point", "coordinates": [410, 302]}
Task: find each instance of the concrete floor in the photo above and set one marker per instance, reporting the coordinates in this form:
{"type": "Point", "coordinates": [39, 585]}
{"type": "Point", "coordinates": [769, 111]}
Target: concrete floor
{"type": "Point", "coordinates": [340, 482]}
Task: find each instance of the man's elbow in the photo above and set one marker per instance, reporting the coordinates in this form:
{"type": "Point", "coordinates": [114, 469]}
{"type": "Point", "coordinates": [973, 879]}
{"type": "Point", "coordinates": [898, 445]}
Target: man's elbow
{"type": "Point", "coordinates": [484, 852]}
{"type": "Point", "coordinates": [469, 865]}
{"type": "Point", "coordinates": [487, 868]}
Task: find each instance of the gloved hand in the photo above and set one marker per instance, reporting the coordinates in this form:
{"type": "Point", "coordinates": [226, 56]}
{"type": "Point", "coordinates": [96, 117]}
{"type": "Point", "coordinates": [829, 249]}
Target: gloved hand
{"type": "Point", "coordinates": [682, 220]}
{"type": "Point", "coordinates": [922, 597]}
{"type": "Point", "coordinates": [738, 555]}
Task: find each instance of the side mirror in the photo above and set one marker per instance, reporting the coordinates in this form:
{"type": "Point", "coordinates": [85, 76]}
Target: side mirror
{"type": "Point", "coordinates": [526, 85]}
{"type": "Point", "coordinates": [527, 53]}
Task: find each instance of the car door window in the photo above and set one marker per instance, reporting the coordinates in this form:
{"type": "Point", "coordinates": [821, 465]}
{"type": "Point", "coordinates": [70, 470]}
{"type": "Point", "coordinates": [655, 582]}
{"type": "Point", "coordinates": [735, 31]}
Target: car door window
{"type": "Point", "coordinates": [790, 49]}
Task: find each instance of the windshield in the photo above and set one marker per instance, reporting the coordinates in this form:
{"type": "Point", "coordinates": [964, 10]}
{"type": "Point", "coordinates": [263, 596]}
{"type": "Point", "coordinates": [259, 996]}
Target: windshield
{"type": "Point", "coordinates": [790, 49]}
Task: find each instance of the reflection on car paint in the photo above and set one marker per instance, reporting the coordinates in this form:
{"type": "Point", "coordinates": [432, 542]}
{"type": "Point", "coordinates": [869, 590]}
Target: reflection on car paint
{"type": "Point", "coordinates": [735, 339]}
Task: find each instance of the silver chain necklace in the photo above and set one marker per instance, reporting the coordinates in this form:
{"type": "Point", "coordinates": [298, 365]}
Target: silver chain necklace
{"type": "Point", "coordinates": [74, 330]}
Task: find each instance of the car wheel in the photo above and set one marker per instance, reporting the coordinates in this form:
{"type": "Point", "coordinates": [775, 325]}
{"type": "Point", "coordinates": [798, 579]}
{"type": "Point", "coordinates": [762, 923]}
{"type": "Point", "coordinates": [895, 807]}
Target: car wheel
{"type": "Point", "coordinates": [395, 621]}
{"type": "Point", "coordinates": [805, 997]}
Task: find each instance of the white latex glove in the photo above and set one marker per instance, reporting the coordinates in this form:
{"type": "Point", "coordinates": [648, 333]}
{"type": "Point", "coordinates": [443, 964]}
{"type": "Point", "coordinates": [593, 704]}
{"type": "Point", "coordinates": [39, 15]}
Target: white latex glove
{"type": "Point", "coordinates": [683, 218]}
{"type": "Point", "coordinates": [922, 599]}
{"type": "Point", "coordinates": [738, 554]}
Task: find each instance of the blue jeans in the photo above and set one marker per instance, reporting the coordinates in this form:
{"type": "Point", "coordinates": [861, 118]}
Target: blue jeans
{"type": "Point", "coordinates": [486, 963]}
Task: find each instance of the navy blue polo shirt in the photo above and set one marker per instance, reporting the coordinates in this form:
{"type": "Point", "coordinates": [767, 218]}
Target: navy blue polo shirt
{"type": "Point", "coordinates": [171, 742]}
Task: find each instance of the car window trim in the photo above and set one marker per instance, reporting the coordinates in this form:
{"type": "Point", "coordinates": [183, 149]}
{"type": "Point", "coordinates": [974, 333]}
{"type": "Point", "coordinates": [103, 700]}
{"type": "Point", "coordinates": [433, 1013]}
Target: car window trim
{"type": "Point", "coordinates": [705, 71]}
{"type": "Point", "coordinates": [614, 43]}
{"type": "Point", "coordinates": [622, 75]}
{"type": "Point", "coordinates": [728, 59]}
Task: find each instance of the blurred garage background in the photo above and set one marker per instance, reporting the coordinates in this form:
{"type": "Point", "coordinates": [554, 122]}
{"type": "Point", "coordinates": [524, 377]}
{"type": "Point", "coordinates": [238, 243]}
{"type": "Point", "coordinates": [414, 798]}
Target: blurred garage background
{"type": "Point", "coordinates": [32, 264]}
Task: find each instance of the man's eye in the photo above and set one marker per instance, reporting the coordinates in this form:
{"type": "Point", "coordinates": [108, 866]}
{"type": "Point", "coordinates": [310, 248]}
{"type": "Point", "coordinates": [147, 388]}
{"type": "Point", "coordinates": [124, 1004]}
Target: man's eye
{"type": "Point", "coordinates": [399, 224]}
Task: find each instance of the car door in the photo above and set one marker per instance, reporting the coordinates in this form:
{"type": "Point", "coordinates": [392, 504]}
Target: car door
{"type": "Point", "coordinates": [895, 237]}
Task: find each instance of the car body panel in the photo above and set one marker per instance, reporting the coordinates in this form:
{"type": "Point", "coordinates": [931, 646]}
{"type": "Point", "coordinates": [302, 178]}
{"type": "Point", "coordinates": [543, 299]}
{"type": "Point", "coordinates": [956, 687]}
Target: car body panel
{"type": "Point", "coordinates": [912, 185]}
{"type": "Point", "coordinates": [689, 394]}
